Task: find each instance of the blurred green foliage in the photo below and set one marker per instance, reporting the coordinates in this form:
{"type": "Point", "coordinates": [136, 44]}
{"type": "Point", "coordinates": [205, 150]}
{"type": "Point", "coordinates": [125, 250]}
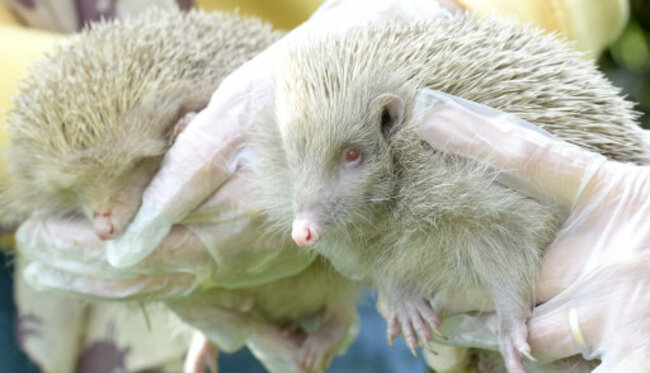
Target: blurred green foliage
{"type": "Point", "coordinates": [627, 61]}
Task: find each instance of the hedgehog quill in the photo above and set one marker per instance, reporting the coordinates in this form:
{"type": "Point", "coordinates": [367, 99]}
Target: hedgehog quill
{"type": "Point", "coordinates": [345, 171]}
{"type": "Point", "coordinates": [89, 130]}
{"type": "Point", "coordinates": [91, 123]}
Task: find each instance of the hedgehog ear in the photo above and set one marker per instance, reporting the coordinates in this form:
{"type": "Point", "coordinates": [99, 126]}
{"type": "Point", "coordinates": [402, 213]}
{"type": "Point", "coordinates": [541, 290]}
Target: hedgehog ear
{"type": "Point", "coordinates": [392, 113]}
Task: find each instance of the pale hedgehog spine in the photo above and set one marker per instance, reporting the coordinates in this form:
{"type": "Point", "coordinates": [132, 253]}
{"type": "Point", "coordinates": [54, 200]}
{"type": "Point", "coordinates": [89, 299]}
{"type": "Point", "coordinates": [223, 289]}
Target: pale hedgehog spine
{"type": "Point", "coordinates": [107, 98]}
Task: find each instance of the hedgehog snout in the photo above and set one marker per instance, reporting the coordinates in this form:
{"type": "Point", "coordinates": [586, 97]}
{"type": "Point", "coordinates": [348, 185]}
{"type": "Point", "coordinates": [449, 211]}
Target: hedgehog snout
{"type": "Point", "coordinates": [103, 225]}
{"type": "Point", "coordinates": [305, 232]}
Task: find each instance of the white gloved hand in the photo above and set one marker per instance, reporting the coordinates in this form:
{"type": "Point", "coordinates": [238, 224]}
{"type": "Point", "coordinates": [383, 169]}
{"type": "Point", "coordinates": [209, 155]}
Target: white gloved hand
{"type": "Point", "coordinates": [220, 245]}
{"type": "Point", "coordinates": [593, 291]}
{"type": "Point", "coordinates": [208, 151]}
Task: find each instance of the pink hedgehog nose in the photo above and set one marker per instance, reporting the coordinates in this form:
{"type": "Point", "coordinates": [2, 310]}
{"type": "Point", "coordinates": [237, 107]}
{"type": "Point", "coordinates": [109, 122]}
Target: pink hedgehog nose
{"type": "Point", "coordinates": [304, 233]}
{"type": "Point", "coordinates": [103, 225]}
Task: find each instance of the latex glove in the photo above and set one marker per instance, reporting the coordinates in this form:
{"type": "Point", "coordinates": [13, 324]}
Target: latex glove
{"type": "Point", "coordinates": [594, 284]}
{"type": "Point", "coordinates": [220, 245]}
{"type": "Point", "coordinates": [207, 152]}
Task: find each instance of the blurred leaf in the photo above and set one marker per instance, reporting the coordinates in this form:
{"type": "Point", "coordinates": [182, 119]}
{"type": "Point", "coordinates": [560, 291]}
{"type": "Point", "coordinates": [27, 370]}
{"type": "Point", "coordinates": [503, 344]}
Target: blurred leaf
{"type": "Point", "coordinates": [631, 50]}
{"type": "Point", "coordinates": [627, 62]}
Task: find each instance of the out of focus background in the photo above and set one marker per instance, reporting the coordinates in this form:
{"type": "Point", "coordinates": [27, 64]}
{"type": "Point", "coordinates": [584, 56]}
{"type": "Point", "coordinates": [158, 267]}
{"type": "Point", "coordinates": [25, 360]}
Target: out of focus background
{"type": "Point", "coordinates": [627, 61]}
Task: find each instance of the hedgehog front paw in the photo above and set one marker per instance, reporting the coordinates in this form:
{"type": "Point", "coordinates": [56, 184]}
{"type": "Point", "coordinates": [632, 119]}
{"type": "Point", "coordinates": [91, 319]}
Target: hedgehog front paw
{"type": "Point", "coordinates": [316, 353]}
{"type": "Point", "coordinates": [319, 347]}
{"type": "Point", "coordinates": [513, 344]}
{"type": "Point", "coordinates": [415, 319]}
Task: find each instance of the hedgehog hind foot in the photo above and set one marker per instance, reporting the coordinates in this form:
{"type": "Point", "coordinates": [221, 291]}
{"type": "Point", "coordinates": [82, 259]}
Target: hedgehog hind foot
{"type": "Point", "coordinates": [513, 344]}
{"type": "Point", "coordinates": [415, 319]}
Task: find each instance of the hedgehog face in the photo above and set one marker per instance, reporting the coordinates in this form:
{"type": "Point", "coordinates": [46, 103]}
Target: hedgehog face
{"type": "Point", "coordinates": [340, 163]}
{"type": "Point", "coordinates": [111, 199]}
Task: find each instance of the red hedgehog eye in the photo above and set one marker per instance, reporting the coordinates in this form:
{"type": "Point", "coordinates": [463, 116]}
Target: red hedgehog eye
{"type": "Point", "coordinates": [352, 157]}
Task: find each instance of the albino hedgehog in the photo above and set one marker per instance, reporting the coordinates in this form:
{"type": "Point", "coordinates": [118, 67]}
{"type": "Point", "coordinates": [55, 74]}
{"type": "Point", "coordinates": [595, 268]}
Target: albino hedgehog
{"type": "Point", "coordinates": [89, 129]}
{"type": "Point", "coordinates": [93, 118]}
{"type": "Point", "coordinates": [432, 231]}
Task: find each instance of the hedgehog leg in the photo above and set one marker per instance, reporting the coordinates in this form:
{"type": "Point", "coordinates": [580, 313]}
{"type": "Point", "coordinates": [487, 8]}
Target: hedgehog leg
{"type": "Point", "coordinates": [414, 318]}
{"type": "Point", "coordinates": [201, 356]}
{"type": "Point", "coordinates": [319, 347]}
{"type": "Point", "coordinates": [512, 311]}
{"type": "Point", "coordinates": [512, 343]}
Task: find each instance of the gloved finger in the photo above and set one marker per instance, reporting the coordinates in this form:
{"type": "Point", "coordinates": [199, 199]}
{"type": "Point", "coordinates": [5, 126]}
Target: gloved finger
{"type": "Point", "coordinates": [72, 246]}
{"type": "Point", "coordinates": [632, 360]}
{"type": "Point", "coordinates": [475, 331]}
{"type": "Point", "coordinates": [598, 237]}
{"type": "Point", "coordinates": [563, 262]}
{"type": "Point", "coordinates": [234, 200]}
{"type": "Point", "coordinates": [54, 240]}
{"type": "Point", "coordinates": [180, 251]}
{"type": "Point", "coordinates": [569, 331]}
{"type": "Point", "coordinates": [552, 335]}
{"type": "Point", "coordinates": [48, 278]}
{"type": "Point", "coordinates": [605, 308]}
{"type": "Point", "coordinates": [535, 160]}
{"type": "Point", "coordinates": [204, 155]}
{"type": "Point", "coordinates": [193, 168]}
{"type": "Point", "coordinates": [549, 334]}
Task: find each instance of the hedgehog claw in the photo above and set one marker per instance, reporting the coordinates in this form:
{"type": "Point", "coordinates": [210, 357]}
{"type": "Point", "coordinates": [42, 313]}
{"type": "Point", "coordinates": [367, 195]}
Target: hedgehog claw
{"type": "Point", "coordinates": [394, 330]}
{"type": "Point", "coordinates": [414, 352]}
{"type": "Point", "coordinates": [390, 342]}
{"type": "Point", "coordinates": [415, 320]}
{"type": "Point", "coordinates": [527, 355]}
{"type": "Point", "coordinates": [513, 344]}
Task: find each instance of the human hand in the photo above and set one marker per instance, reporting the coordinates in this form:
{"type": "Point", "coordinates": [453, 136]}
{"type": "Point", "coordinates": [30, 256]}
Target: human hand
{"type": "Point", "coordinates": [594, 281]}
{"type": "Point", "coordinates": [219, 244]}
{"type": "Point", "coordinates": [208, 150]}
